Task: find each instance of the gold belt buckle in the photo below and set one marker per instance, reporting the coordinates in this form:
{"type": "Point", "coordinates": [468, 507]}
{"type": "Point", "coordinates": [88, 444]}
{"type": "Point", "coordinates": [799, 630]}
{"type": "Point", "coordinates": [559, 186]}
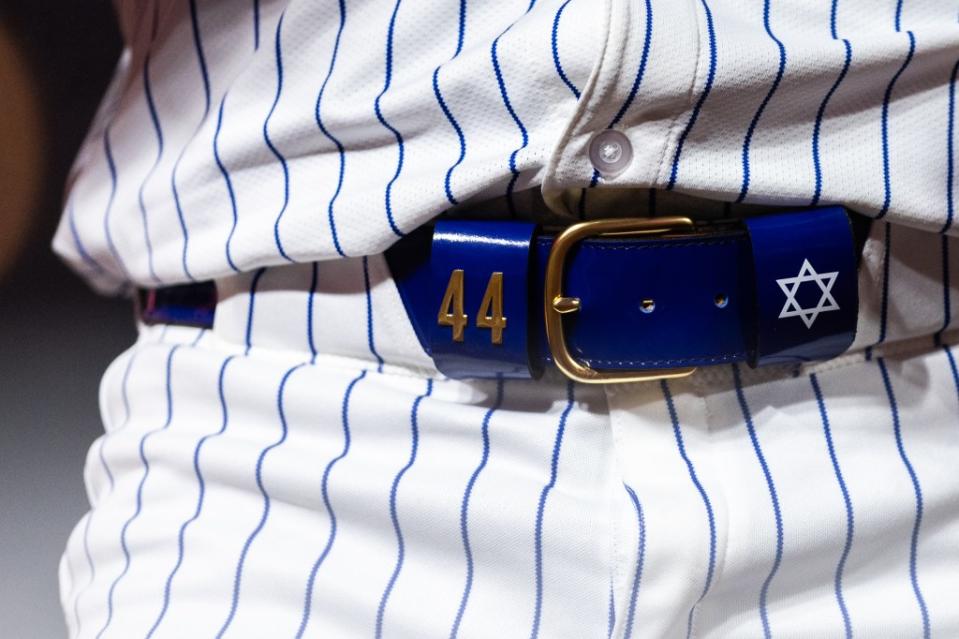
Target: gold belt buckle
{"type": "Point", "coordinates": [557, 304]}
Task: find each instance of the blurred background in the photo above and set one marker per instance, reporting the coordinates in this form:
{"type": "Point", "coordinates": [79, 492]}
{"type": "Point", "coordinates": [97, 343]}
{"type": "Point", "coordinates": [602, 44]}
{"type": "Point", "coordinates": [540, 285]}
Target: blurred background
{"type": "Point", "coordinates": [56, 337]}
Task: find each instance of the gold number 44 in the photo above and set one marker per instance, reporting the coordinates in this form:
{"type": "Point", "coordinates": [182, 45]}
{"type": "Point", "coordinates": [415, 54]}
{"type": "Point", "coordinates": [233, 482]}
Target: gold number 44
{"type": "Point", "coordinates": [490, 314]}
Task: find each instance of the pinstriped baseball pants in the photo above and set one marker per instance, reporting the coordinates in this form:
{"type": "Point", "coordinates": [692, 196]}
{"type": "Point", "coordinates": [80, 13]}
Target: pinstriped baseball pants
{"type": "Point", "coordinates": [300, 471]}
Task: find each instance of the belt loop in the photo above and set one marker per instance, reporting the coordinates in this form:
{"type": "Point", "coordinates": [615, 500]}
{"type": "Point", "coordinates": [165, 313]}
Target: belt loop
{"type": "Point", "coordinates": [807, 295]}
{"type": "Point", "coordinates": [479, 287]}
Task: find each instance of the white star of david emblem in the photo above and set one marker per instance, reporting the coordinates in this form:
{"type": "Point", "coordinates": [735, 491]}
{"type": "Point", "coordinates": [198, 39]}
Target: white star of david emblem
{"type": "Point", "coordinates": [790, 285]}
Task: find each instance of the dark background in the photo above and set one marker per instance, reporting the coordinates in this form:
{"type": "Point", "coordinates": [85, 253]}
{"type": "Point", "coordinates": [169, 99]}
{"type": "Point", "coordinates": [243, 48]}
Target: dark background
{"type": "Point", "coordinates": [56, 337]}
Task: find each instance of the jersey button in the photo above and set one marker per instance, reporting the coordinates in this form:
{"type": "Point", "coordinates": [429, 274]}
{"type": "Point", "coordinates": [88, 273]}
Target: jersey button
{"type": "Point", "coordinates": [610, 153]}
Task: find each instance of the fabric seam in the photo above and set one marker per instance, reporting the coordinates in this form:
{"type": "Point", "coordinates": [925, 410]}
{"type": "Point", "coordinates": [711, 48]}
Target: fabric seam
{"type": "Point", "coordinates": [554, 201]}
{"type": "Point", "coordinates": [616, 521]}
{"type": "Point", "coordinates": [717, 499]}
{"type": "Point", "coordinates": [714, 359]}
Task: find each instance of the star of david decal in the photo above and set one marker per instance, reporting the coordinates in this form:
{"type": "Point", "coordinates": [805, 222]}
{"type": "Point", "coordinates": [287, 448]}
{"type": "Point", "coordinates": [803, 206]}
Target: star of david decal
{"type": "Point", "coordinates": [790, 285]}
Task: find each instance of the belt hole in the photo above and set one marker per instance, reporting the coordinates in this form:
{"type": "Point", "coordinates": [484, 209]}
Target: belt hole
{"type": "Point", "coordinates": [647, 306]}
{"type": "Point", "coordinates": [721, 300]}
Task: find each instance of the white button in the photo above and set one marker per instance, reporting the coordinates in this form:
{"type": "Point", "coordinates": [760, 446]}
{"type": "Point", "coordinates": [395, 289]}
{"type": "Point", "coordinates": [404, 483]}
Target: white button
{"type": "Point", "coordinates": [610, 152]}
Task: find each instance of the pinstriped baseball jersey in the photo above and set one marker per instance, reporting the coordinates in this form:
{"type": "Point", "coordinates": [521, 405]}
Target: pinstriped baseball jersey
{"type": "Point", "coordinates": [302, 470]}
{"type": "Point", "coordinates": [244, 134]}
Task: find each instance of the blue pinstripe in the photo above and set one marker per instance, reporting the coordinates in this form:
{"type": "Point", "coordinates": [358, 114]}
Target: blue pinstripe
{"type": "Point", "coordinates": [773, 498]}
{"type": "Point", "coordinates": [314, 272]}
{"type": "Point", "coordinates": [850, 519]}
{"type": "Point", "coordinates": [747, 143]}
{"type": "Point", "coordinates": [887, 98]}
{"type": "Point", "coordinates": [950, 203]}
{"type": "Point", "coordinates": [216, 151]}
{"type": "Point", "coordinates": [201, 59]}
{"type": "Point", "coordinates": [581, 206]}
{"type": "Point", "coordinates": [325, 490]}
{"type": "Point", "coordinates": [898, 18]}
{"type": "Point", "coordinates": [504, 94]}
{"type": "Point", "coordinates": [611, 612]}
{"type": "Point", "coordinates": [248, 337]}
{"type": "Point", "coordinates": [106, 468]}
{"type": "Point", "coordinates": [256, 24]}
{"type": "Point", "coordinates": [707, 504]}
{"type": "Point", "coordinates": [125, 398]}
{"type": "Point", "coordinates": [81, 249]}
{"type": "Point", "coordinates": [401, 151]}
{"type": "Point", "coordinates": [951, 151]}
{"type": "Point", "coordinates": [369, 315]}
{"type": "Point", "coordinates": [394, 515]}
{"type": "Point", "coordinates": [640, 71]}
{"type": "Point", "coordinates": [555, 48]}
{"type": "Point", "coordinates": [77, 619]}
{"type": "Point", "coordinates": [952, 368]}
{"type": "Point", "coordinates": [238, 578]}
{"type": "Point", "coordinates": [229, 183]}
{"type": "Point", "coordinates": [446, 111]}
{"type": "Point", "coordinates": [124, 385]}
{"type": "Point", "coordinates": [917, 489]}
{"type": "Point", "coordinates": [817, 128]}
{"type": "Point", "coordinates": [329, 136]}
{"type": "Point", "coordinates": [139, 495]}
{"type": "Point", "coordinates": [158, 132]}
{"type": "Point", "coordinates": [464, 507]}
{"type": "Point", "coordinates": [707, 87]}
{"type": "Point", "coordinates": [201, 485]}
{"type": "Point", "coordinates": [541, 509]}
{"type": "Point", "coordinates": [640, 558]}
{"type": "Point", "coordinates": [103, 461]}
{"type": "Point", "coordinates": [111, 165]}
{"type": "Point", "coordinates": [269, 143]}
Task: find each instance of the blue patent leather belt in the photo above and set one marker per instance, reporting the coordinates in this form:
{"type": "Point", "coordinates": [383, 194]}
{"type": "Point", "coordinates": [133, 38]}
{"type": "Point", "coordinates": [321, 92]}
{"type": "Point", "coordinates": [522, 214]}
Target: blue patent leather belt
{"type": "Point", "coordinates": [612, 300]}
{"type": "Point", "coordinates": [629, 299]}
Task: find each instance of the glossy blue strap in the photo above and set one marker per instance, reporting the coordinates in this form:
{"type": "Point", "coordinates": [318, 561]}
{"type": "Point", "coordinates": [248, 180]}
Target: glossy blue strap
{"type": "Point", "coordinates": [806, 287]}
{"type": "Point", "coordinates": [741, 293]}
{"type": "Point", "coordinates": [651, 303]}
{"type": "Point", "coordinates": [480, 249]}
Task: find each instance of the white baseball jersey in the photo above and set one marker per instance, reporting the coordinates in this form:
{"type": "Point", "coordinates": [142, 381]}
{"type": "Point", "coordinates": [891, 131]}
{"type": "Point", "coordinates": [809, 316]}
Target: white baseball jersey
{"type": "Point", "coordinates": [302, 470]}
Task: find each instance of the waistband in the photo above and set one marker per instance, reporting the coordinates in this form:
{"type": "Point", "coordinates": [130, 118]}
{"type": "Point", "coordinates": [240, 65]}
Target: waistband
{"type": "Point", "coordinates": [347, 308]}
{"type": "Point", "coordinates": [352, 307]}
